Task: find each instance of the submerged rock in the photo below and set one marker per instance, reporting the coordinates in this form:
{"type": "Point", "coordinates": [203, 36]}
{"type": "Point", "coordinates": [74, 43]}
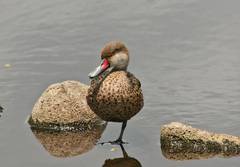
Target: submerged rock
{"type": "Point", "coordinates": [181, 142]}
{"type": "Point", "coordinates": [67, 144]}
{"type": "Point", "coordinates": [63, 106]}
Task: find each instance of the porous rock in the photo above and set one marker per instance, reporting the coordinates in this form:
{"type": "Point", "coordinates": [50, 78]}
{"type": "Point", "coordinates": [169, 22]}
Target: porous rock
{"type": "Point", "coordinates": [63, 106]}
{"type": "Point", "coordinates": [181, 142]}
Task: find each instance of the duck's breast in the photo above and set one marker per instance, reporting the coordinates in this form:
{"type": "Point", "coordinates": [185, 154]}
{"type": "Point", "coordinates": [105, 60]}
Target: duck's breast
{"type": "Point", "coordinates": [117, 98]}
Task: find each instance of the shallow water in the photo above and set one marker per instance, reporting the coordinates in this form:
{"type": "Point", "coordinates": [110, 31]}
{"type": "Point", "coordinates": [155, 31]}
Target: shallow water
{"type": "Point", "coordinates": [186, 54]}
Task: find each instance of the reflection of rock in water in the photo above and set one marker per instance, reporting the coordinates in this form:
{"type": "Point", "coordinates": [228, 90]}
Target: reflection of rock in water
{"type": "Point", "coordinates": [68, 144]}
{"type": "Point", "coordinates": [125, 161]}
{"type": "Point", "coordinates": [183, 142]}
{"type": "Point", "coordinates": [177, 153]}
{"type": "Point", "coordinates": [174, 154]}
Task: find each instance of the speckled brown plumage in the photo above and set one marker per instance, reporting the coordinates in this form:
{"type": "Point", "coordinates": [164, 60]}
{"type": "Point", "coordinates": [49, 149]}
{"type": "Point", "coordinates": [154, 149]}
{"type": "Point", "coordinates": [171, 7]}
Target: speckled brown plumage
{"type": "Point", "coordinates": [116, 98]}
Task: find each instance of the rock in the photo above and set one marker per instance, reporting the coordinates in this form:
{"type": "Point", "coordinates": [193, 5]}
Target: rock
{"type": "Point", "coordinates": [63, 106]}
{"type": "Point", "coordinates": [180, 142]}
{"type": "Point", "coordinates": [68, 144]}
{"type": "Point", "coordinates": [7, 65]}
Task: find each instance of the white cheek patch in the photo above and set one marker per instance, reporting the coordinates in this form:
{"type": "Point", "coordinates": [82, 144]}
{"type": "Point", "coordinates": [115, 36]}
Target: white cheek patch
{"type": "Point", "coordinates": [120, 61]}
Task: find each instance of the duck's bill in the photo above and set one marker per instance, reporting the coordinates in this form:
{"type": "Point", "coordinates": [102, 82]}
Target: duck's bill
{"type": "Point", "coordinates": [104, 66]}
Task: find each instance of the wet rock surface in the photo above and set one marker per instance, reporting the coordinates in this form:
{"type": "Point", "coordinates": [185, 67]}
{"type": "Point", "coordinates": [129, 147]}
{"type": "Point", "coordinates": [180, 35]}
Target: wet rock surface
{"type": "Point", "coordinates": [63, 106]}
{"type": "Point", "coordinates": [182, 142]}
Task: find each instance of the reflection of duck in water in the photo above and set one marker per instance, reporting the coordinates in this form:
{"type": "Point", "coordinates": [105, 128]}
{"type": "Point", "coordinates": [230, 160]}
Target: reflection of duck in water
{"type": "Point", "coordinates": [115, 94]}
{"type": "Point", "coordinates": [67, 144]}
{"type": "Point", "coordinates": [125, 161]}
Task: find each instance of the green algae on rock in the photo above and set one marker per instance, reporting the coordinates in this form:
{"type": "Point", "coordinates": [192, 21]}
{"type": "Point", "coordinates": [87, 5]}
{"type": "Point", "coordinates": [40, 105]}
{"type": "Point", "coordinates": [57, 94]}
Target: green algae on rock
{"type": "Point", "coordinates": [63, 106]}
{"type": "Point", "coordinates": [182, 142]}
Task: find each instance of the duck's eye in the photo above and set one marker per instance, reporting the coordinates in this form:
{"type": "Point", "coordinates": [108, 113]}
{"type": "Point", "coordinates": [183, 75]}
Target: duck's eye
{"type": "Point", "coordinates": [104, 55]}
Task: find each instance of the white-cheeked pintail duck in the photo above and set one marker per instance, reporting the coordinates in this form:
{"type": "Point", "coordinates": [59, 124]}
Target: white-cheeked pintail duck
{"type": "Point", "coordinates": [115, 94]}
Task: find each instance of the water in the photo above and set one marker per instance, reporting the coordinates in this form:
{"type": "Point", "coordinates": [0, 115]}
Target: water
{"type": "Point", "coordinates": [186, 54]}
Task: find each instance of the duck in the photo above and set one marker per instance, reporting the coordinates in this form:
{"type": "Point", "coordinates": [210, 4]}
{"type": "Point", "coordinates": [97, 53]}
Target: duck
{"type": "Point", "coordinates": [115, 94]}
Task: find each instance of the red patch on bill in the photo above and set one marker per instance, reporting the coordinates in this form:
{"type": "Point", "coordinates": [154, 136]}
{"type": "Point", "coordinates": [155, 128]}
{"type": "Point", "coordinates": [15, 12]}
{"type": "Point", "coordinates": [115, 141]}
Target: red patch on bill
{"type": "Point", "coordinates": [105, 64]}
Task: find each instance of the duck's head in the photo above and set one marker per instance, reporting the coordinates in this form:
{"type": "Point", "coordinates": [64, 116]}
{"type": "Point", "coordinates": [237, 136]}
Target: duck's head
{"type": "Point", "coordinates": [115, 56]}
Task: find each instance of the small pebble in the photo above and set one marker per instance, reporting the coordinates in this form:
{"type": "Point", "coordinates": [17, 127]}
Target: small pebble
{"type": "Point", "coordinates": [113, 149]}
{"type": "Point", "coordinates": [7, 65]}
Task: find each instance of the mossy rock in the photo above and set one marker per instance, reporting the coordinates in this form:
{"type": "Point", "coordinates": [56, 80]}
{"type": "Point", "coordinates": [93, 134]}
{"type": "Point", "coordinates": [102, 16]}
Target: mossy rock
{"type": "Point", "coordinates": [181, 142]}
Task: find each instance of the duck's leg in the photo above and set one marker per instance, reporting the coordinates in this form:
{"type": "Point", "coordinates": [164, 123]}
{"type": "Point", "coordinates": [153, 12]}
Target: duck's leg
{"type": "Point", "coordinates": [119, 140]}
{"type": "Point", "coordinates": [125, 155]}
